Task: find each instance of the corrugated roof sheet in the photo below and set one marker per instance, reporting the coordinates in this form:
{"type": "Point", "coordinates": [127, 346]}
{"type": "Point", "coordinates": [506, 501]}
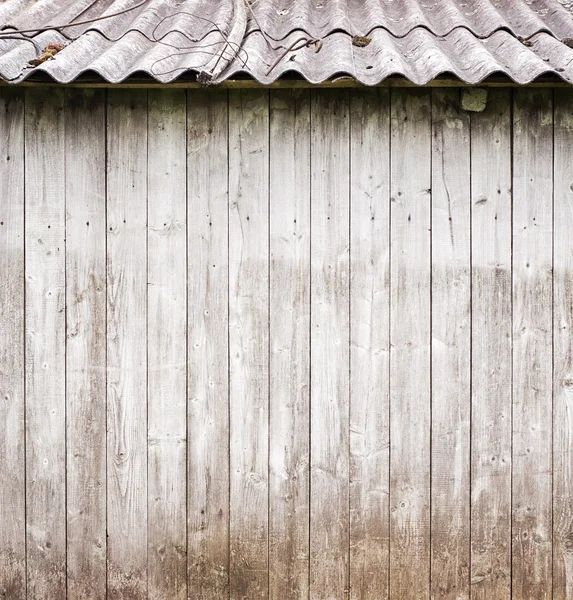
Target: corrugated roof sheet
{"type": "Point", "coordinates": [266, 39]}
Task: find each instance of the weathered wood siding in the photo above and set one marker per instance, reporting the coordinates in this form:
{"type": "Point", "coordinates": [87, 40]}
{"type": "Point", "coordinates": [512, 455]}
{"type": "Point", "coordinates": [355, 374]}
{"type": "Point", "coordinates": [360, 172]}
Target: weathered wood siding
{"type": "Point", "coordinates": [286, 344]}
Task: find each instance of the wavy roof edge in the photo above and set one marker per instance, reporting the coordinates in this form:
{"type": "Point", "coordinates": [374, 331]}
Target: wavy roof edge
{"type": "Point", "coordinates": [126, 46]}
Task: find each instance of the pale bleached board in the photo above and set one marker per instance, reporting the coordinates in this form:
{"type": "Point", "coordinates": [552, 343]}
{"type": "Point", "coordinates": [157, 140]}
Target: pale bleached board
{"type": "Point", "coordinates": [563, 349]}
{"type": "Point", "coordinates": [289, 409]}
{"type": "Point", "coordinates": [127, 344]}
{"type": "Point", "coordinates": [451, 346]}
{"type": "Point", "coordinates": [45, 345]}
{"type": "Point", "coordinates": [330, 360]}
{"type": "Point", "coordinates": [249, 340]}
{"type": "Point", "coordinates": [85, 343]}
{"type": "Point", "coordinates": [370, 343]}
{"type": "Point", "coordinates": [532, 344]}
{"type": "Point", "coordinates": [12, 458]}
{"type": "Point", "coordinates": [167, 345]}
{"type": "Point", "coordinates": [410, 344]}
{"type": "Point", "coordinates": [208, 394]}
{"type": "Point", "coordinates": [491, 349]}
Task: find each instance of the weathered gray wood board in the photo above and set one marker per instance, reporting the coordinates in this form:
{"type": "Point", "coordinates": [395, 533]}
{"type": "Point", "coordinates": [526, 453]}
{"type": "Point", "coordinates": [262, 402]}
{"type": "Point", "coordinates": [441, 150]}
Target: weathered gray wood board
{"type": "Point", "coordinates": [563, 348]}
{"type": "Point", "coordinates": [289, 322]}
{"type": "Point", "coordinates": [12, 349]}
{"type": "Point", "coordinates": [451, 347]}
{"type": "Point", "coordinates": [286, 344]}
{"type": "Point", "coordinates": [86, 343]}
{"type": "Point", "coordinates": [491, 382]}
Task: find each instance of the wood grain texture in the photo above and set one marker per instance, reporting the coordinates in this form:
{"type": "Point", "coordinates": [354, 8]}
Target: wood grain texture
{"type": "Point", "coordinates": [86, 343]}
{"type": "Point", "coordinates": [289, 417]}
{"type": "Point", "coordinates": [330, 331]}
{"type": "Point", "coordinates": [451, 346]}
{"type": "Point", "coordinates": [370, 343]}
{"type": "Point", "coordinates": [410, 345]}
{"type": "Point", "coordinates": [12, 353]}
{"type": "Point", "coordinates": [532, 343]}
{"type": "Point", "coordinates": [127, 344]}
{"type": "Point", "coordinates": [45, 345]}
{"type": "Point", "coordinates": [491, 350]}
{"type": "Point", "coordinates": [208, 430]}
{"type": "Point", "coordinates": [167, 345]}
{"type": "Point", "coordinates": [249, 341]}
{"type": "Point", "coordinates": [563, 349]}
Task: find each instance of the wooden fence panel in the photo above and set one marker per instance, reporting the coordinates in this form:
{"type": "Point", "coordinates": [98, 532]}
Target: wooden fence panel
{"type": "Point", "coordinates": [451, 346]}
{"type": "Point", "coordinates": [370, 344]}
{"type": "Point", "coordinates": [208, 331]}
{"type": "Point", "coordinates": [410, 344]}
{"type": "Point", "coordinates": [491, 349]}
{"type": "Point", "coordinates": [45, 344]}
{"type": "Point", "coordinates": [127, 344]}
{"type": "Point", "coordinates": [86, 344]}
{"type": "Point", "coordinates": [167, 345]}
{"type": "Point", "coordinates": [289, 417]}
{"type": "Point", "coordinates": [12, 349]}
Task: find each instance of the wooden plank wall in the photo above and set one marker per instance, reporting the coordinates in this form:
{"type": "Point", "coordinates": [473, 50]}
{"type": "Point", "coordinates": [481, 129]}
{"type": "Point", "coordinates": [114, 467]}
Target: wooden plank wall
{"type": "Point", "coordinates": [289, 344]}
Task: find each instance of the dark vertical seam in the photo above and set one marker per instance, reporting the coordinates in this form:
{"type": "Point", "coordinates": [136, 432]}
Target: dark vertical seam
{"type": "Point", "coordinates": [471, 300]}
{"type": "Point", "coordinates": [24, 348]}
{"type": "Point", "coordinates": [186, 96]}
{"type": "Point", "coordinates": [431, 265]}
{"type": "Point", "coordinates": [511, 156]}
{"type": "Point", "coordinates": [310, 139]}
{"type": "Point", "coordinates": [390, 182]}
{"type": "Point", "coordinates": [106, 158]}
{"type": "Point", "coordinates": [348, 99]}
{"type": "Point", "coordinates": [552, 338]}
{"type": "Point", "coordinates": [147, 333]}
{"type": "Point", "coordinates": [227, 94]}
{"type": "Point", "coordinates": [268, 341]}
{"type": "Point", "coordinates": [65, 382]}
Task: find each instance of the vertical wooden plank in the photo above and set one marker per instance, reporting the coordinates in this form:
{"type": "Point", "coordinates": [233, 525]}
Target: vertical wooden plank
{"type": "Point", "coordinates": [45, 345]}
{"type": "Point", "coordinates": [248, 340]}
{"type": "Point", "coordinates": [410, 345]}
{"type": "Point", "coordinates": [127, 343]}
{"type": "Point", "coordinates": [290, 344]}
{"type": "Point", "coordinates": [86, 343]}
{"type": "Point", "coordinates": [451, 346]}
{"type": "Point", "coordinates": [12, 459]}
{"type": "Point", "coordinates": [167, 341]}
{"type": "Point", "coordinates": [563, 349]}
{"type": "Point", "coordinates": [330, 323]}
{"type": "Point", "coordinates": [208, 432]}
{"type": "Point", "coordinates": [532, 343]}
{"type": "Point", "coordinates": [491, 349]}
{"type": "Point", "coordinates": [370, 343]}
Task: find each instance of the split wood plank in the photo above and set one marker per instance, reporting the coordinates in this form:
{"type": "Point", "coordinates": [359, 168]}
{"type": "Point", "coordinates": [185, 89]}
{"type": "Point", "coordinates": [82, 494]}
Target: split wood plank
{"type": "Point", "coordinates": [532, 344]}
{"type": "Point", "coordinates": [370, 344]}
{"type": "Point", "coordinates": [45, 345]}
{"type": "Point", "coordinates": [410, 344]}
{"type": "Point", "coordinates": [127, 344]}
{"type": "Point", "coordinates": [12, 453]}
{"type": "Point", "coordinates": [249, 341]}
{"type": "Point", "coordinates": [289, 417]}
{"type": "Point", "coordinates": [330, 357]}
{"type": "Point", "coordinates": [451, 346]}
{"type": "Point", "coordinates": [208, 392]}
{"type": "Point", "coordinates": [167, 344]}
{"type": "Point", "coordinates": [86, 343]}
{"type": "Point", "coordinates": [563, 348]}
{"type": "Point", "coordinates": [491, 349]}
